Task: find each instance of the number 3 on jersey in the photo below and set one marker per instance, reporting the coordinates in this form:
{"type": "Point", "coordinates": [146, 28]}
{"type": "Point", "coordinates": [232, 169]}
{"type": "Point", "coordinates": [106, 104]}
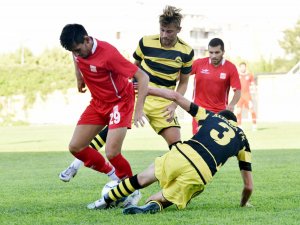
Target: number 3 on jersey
{"type": "Point", "coordinates": [226, 135]}
{"type": "Point", "coordinates": [115, 116]}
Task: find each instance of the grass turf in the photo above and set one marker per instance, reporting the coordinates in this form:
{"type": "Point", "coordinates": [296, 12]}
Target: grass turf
{"type": "Point", "coordinates": [31, 193]}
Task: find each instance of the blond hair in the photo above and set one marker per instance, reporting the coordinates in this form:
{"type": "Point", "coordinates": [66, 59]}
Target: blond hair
{"type": "Point", "coordinates": [170, 15]}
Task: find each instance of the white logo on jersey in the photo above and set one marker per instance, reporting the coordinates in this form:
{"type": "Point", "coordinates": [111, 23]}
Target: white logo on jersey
{"type": "Point", "coordinates": [205, 71]}
{"type": "Point", "coordinates": [93, 68]}
{"type": "Point", "coordinates": [178, 59]}
{"type": "Point", "coordinates": [223, 76]}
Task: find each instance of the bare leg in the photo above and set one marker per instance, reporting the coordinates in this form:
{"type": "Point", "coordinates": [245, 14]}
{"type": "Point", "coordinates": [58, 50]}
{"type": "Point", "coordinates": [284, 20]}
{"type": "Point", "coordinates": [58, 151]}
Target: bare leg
{"type": "Point", "coordinates": [82, 136]}
{"type": "Point", "coordinates": [79, 147]}
{"type": "Point", "coordinates": [97, 143]}
{"type": "Point", "coordinates": [147, 177]}
{"type": "Point", "coordinates": [239, 115]}
{"type": "Point", "coordinates": [253, 114]}
{"type": "Point", "coordinates": [171, 135]}
{"type": "Point", "coordinates": [114, 142]}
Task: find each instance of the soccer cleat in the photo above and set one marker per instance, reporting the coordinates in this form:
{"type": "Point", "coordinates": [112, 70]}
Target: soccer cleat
{"type": "Point", "coordinates": [151, 207]}
{"type": "Point", "coordinates": [133, 199]}
{"type": "Point", "coordinates": [68, 174]}
{"type": "Point", "coordinates": [99, 204]}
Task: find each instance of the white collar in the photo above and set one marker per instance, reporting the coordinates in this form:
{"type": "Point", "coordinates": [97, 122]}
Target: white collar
{"type": "Point", "coordinates": [223, 61]}
{"type": "Point", "coordinates": [95, 43]}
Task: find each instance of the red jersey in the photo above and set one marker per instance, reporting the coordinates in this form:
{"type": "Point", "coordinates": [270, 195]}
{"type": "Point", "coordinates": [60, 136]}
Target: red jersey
{"type": "Point", "coordinates": [212, 84]}
{"type": "Point", "coordinates": [106, 72]}
{"type": "Point", "coordinates": [246, 81]}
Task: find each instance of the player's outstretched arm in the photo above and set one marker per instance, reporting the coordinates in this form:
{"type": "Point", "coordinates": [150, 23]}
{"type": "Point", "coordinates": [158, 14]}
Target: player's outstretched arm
{"type": "Point", "coordinates": [171, 95]}
{"type": "Point", "coordinates": [248, 188]}
{"type": "Point", "coordinates": [143, 81]}
{"type": "Point", "coordinates": [181, 88]}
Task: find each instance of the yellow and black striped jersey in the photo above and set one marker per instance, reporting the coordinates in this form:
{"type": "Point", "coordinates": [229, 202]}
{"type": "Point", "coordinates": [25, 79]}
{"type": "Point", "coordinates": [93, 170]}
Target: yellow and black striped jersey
{"type": "Point", "coordinates": [164, 65]}
{"type": "Point", "coordinates": [218, 139]}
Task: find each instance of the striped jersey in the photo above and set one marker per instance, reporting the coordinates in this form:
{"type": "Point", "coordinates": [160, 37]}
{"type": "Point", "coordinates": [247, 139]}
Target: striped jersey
{"type": "Point", "coordinates": [216, 141]}
{"type": "Point", "coordinates": [164, 65]}
{"type": "Point", "coordinates": [106, 72]}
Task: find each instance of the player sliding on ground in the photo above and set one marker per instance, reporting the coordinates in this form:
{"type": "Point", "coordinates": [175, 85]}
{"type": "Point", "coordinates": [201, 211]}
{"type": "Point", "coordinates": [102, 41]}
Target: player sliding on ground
{"type": "Point", "coordinates": [197, 161]}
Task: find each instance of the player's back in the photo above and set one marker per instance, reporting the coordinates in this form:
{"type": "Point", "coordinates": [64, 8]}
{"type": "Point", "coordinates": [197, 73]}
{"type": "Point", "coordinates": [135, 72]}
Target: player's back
{"type": "Point", "coordinates": [217, 140]}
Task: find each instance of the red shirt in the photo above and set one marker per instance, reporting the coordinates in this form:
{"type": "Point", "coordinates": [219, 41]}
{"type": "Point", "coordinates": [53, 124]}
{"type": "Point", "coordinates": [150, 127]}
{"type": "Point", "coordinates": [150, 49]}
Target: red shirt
{"type": "Point", "coordinates": [246, 81]}
{"type": "Point", "coordinates": [212, 84]}
{"type": "Point", "coordinates": [106, 72]}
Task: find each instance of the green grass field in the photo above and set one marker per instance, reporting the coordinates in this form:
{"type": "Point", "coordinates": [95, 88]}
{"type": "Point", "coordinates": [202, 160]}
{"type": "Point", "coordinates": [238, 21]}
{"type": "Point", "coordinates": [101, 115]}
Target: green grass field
{"type": "Point", "coordinates": [31, 193]}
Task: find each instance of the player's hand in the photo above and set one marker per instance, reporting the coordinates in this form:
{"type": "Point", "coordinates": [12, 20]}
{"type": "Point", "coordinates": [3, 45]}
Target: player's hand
{"type": "Point", "coordinates": [81, 86]}
{"type": "Point", "coordinates": [139, 118]}
{"type": "Point", "coordinates": [169, 112]}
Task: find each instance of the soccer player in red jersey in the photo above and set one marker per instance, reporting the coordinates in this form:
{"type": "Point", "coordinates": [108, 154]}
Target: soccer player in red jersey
{"type": "Point", "coordinates": [106, 73]}
{"type": "Point", "coordinates": [167, 60]}
{"type": "Point", "coordinates": [247, 81]}
{"type": "Point", "coordinates": [214, 76]}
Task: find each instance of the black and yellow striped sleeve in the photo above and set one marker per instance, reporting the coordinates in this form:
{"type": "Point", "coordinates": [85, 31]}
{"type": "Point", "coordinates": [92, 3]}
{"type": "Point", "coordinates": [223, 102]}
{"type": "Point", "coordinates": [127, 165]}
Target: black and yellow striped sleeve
{"type": "Point", "coordinates": [138, 54]}
{"type": "Point", "coordinates": [244, 157]}
{"type": "Point", "coordinates": [188, 62]}
{"type": "Point", "coordinates": [197, 112]}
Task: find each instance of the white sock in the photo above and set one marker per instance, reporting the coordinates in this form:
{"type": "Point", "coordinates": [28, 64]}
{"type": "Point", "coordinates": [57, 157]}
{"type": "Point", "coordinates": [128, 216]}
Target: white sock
{"type": "Point", "coordinates": [76, 163]}
{"type": "Point", "coordinates": [112, 175]}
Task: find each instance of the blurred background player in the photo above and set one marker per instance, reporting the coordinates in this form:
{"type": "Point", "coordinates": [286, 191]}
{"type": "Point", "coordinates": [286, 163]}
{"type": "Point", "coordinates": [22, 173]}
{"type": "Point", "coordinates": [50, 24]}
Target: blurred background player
{"type": "Point", "coordinates": [214, 76]}
{"type": "Point", "coordinates": [247, 84]}
{"type": "Point", "coordinates": [165, 58]}
{"type": "Point", "coordinates": [197, 161]}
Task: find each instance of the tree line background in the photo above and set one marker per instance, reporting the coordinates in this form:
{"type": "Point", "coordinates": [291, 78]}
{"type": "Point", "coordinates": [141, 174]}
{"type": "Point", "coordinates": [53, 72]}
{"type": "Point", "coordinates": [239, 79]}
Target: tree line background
{"type": "Point", "coordinates": [23, 73]}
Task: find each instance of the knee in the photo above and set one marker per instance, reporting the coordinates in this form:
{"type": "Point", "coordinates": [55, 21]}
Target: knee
{"type": "Point", "coordinates": [73, 148]}
{"type": "Point", "coordinates": [110, 154]}
{"type": "Point", "coordinates": [111, 151]}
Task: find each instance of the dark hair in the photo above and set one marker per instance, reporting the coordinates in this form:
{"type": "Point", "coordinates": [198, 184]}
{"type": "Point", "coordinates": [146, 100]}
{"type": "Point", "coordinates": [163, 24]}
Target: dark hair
{"type": "Point", "coordinates": [170, 15]}
{"type": "Point", "coordinates": [72, 34]}
{"type": "Point", "coordinates": [228, 115]}
{"type": "Point", "coordinates": [216, 42]}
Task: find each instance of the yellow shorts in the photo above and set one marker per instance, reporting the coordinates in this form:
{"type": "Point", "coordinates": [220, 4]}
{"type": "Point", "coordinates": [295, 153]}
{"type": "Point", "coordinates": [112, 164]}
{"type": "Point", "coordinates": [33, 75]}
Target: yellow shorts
{"type": "Point", "coordinates": [177, 177]}
{"type": "Point", "coordinates": [154, 109]}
